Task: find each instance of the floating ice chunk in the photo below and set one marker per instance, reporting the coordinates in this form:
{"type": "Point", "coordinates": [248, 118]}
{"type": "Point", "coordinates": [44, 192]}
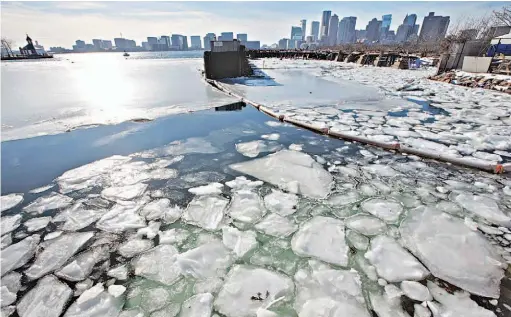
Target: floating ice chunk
{"type": "Point", "coordinates": [7, 297]}
{"type": "Point", "coordinates": [116, 290]}
{"type": "Point", "coordinates": [272, 136]}
{"type": "Point", "coordinates": [151, 231]}
{"type": "Point", "coordinates": [392, 262]}
{"type": "Point", "coordinates": [296, 147]}
{"type": "Point", "coordinates": [9, 223]}
{"type": "Point", "coordinates": [385, 209]}
{"type": "Point", "coordinates": [208, 285]}
{"type": "Point", "coordinates": [208, 260]}
{"type": "Point", "coordinates": [96, 302]}
{"type": "Point", "coordinates": [484, 207]}
{"type": "Point", "coordinates": [36, 224]}
{"type": "Point", "coordinates": [274, 123]}
{"type": "Point", "coordinates": [173, 236]}
{"type": "Point", "coordinates": [10, 201]}
{"type": "Point", "coordinates": [155, 299]}
{"type": "Point", "coordinates": [244, 283]}
{"type": "Point", "coordinates": [392, 291]}
{"type": "Point", "coordinates": [487, 156]}
{"type": "Point", "coordinates": [246, 206]}
{"type": "Point", "coordinates": [6, 240]}
{"type": "Point", "coordinates": [366, 225]}
{"type": "Point", "coordinates": [78, 217]}
{"type": "Point", "coordinates": [291, 170]}
{"type": "Point", "coordinates": [281, 203]}
{"type": "Point", "coordinates": [241, 182]}
{"type": "Point", "coordinates": [159, 208]}
{"type": "Point", "coordinates": [381, 170]}
{"type": "Point", "coordinates": [11, 284]}
{"type": "Point", "coordinates": [421, 311]}
{"type": "Point", "coordinates": [89, 175]}
{"type": "Point", "coordinates": [323, 238]}
{"type": "Point", "coordinates": [387, 307]}
{"type": "Point", "coordinates": [81, 267]}
{"type": "Point", "coordinates": [120, 272]}
{"type": "Point", "coordinates": [457, 304]}
{"type": "Point", "coordinates": [124, 192]}
{"type": "Point", "coordinates": [210, 189]}
{"type": "Point", "coordinates": [205, 211]}
{"type": "Point", "coordinates": [416, 291]}
{"type": "Point", "coordinates": [50, 202]}
{"type": "Point", "coordinates": [425, 145]}
{"type": "Point", "coordinates": [135, 246]}
{"type": "Point", "coordinates": [16, 255]}
{"type": "Point", "coordinates": [277, 226]}
{"type": "Point", "coordinates": [326, 307]}
{"type": "Point", "coordinates": [240, 242]}
{"type": "Point", "coordinates": [48, 298]}
{"type": "Point", "coordinates": [41, 189]}
{"type": "Point", "coordinates": [120, 218]}
{"type": "Point", "coordinates": [158, 264]}
{"type": "Point", "coordinates": [357, 240]}
{"type": "Point", "coordinates": [453, 252]}
{"type": "Point", "coordinates": [344, 199]}
{"type": "Point", "coordinates": [56, 253]}
{"type": "Point", "coordinates": [200, 305]}
{"type": "Point", "coordinates": [182, 147]}
{"type": "Point", "coordinates": [134, 312]}
{"type": "Point", "coordinates": [253, 148]}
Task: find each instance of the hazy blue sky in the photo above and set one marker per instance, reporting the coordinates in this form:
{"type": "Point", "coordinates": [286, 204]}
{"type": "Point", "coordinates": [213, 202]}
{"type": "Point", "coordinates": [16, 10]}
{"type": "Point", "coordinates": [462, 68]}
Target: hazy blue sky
{"type": "Point", "coordinates": [61, 23]}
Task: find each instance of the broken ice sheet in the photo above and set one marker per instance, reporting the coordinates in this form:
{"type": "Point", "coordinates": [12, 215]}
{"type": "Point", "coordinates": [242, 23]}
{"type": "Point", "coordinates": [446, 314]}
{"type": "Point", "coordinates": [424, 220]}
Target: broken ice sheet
{"type": "Point", "coordinates": [16, 255]}
{"type": "Point", "coordinates": [10, 201]}
{"type": "Point", "coordinates": [199, 305]}
{"type": "Point", "coordinates": [9, 223]}
{"type": "Point", "coordinates": [277, 226]}
{"type": "Point", "coordinates": [95, 302]}
{"type": "Point", "coordinates": [253, 148]}
{"type": "Point", "coordinates": [128, 192]}
{"type": "Point", "coordinates": [283, 204]}
{"type": "Point", "coordinates": [208, 260]}
{"type": "Point", "coordinates": [50, 202]}
{"type": "Point", "coordinates": [205, 211]}
{"type": "Point", "coordinates": [47, 298]}
{"type": "Point", "coordinates": [323, 238]}
{"type": "Point", "coordinates": [122, 217]}
{"type": "Point", "coordinates": [366, 225]}
{"type": "Point", "coordinates": [57, 252]}
{"type": "Point", "coordinates": [240, 242]}
{"type": "Point", "coordinates": [385, 209]}
{"type": "Point", "coordinates": [247, 289]}
{"type": "Point", "coordinates": [482, 206]}
{"type": "Point", "coordinates": [293, 171]}
{"type": "Point", "coordinates": [158, 264]}
{"type": "Point", "coordinates": [81, 266]}
{"type": "Point", "coordinates": [78, 217]}
{"type": "Point", "coordinates": [36, 224]}
{"type": "Point", "coordinates": [246, 206]}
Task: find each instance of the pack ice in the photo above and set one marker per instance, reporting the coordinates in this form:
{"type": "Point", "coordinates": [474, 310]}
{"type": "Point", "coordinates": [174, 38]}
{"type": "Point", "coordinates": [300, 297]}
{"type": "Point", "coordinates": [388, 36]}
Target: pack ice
{"type": "Point", "coordinates": [453, 252]}
{"type": "Point", "coordinates": [47, 298]}
{"type": "Point", "coordinates": [16, 255]}
{"type": "Point", "coordinates": [247, 289]}
{"type": "Point", "coordinates": [96, 302]}
{"type": "Point", "coordinates": [293, 171]}
{"type": "Point", "coordinates": [158, 264]}
{"type": "Point", "coordinates": [10, 201]}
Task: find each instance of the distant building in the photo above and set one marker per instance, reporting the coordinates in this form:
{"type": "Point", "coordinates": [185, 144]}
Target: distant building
{"type": "Point", "coordinates": [360, 35]}
{"type": "Point", "coordinates": [346, 32]}
{"type": "Point", "coordinates": [296, 33]}
{"type": "Point", "coordinates": [185, 42]}
{"type": "Point", "coordinates": [332, 30]}
{"type": "Point", "coordinates": [120, 43]}
{"type": "Point", "coordinates": [98, 44]}
{"type": "Point", "coordinates": [309, 39]}
{"type": "Point", "coordinates": [226, 36]}
{"type": "Point", "coordinates": [195, 43]}
{"type": "Point", "coordinates": [146, 46]}
{"type": "Point", "coordinates": [315, 30]}
{"type": "Point", "coordinates": [179, 42]}
{"type": "Point", "coordinates": [242, 37]}
{"type": "Point", "coordinates": [303, 23]}
{"type": "Point", "coordinates": [207, 40]}
{"type": "Point", "coordinates": [252, 45]}
{"type": "Point", "coordinates": [152, 40]}
{"type": "Point", "coordinates": [164, 39]}
{"type": "Point", "coordinates": [283, 44]}
{"type": "Point", "coordinates": [434, 27]}
{"type": "Point", "coordinates": [373, 30]}
{"type": "Point", "coordinates": [469, 34]}
{"type": "Point", "coordinates": [325, 22]}
{"type": "Point", "coordinates": [385, 25]}
{"type": "Point", "coordinates": [408, 29]}
{"type": "Point", "coordinates": [106, 44]}
{"type": "Point", "coordinates": [495, 31]}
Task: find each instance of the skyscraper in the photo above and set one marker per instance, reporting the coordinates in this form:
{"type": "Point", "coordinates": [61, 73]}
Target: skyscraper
{"type": "Point", "coordinates": [185, 42]}
{"type": "Point", "coordinates": [332, 30]}
{"type": "Point", "coordinates": [410, 19]}
{"type": "Point", "coordinates": [195, 42]}
{"type": "Point", "coordinates": [98, 44]}
{"type": "Point", "coordinates": [373, 30]}
{"type": "Point", "coordinates": [407, 29]}
{"type": "Point", "coordinates": [434, 27]}
{"type": "Point", "coordinates": [315, 30]}
{"type": "Point", "coordinates": [346, 31]}
{"type": "Point", "coordinates": [385, 25]}
{"type": "Point", "coordinates": [242, 37]}
{"type": "Point", "coordinates": [296, 33]}
{"type": "Point", "coordinates": [325, 21]}
{"type": "Point", "coordinates": [166, 41]}
{"type": "Point", "coordinates": [304, 27]}
{"type": "Point", "coordinates": [283, 44]}
{"type": "Point", "coordinates": [226, 36]}
{"type": "Point", "coordinates": [207, 40]}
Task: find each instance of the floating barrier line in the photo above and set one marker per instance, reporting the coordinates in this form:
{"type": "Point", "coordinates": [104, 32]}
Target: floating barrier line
{"type": "Point", "coordinates": [394, 147]}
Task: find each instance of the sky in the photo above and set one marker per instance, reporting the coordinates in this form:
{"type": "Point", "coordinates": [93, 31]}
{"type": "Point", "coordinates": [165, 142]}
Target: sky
{"type": "Point", "coordinates": [62, 23]}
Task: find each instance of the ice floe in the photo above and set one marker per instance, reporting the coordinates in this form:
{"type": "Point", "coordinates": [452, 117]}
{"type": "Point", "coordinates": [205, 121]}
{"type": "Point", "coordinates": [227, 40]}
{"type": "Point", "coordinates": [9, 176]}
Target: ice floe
{"type": "Point", "coordinates": [393, 262]}
{"type": "Point", "coordinates": [121, 217]}
{"type": "Point", "coordinates": [135, 246]}
{"type": "Point", "coordinates": [96, 302]}
{"type": "Point", "coordinates": [366, 225]}
{"type": "Point", "coordinates": [416, 291]}
{"type": "Point", "coordinates": [48, 298]}
{"type": "Point", "coordinates": [483, 207]}
{"type": "Point", "coordinates": [120, 272]}
{"type": "Point", "coordinates": [9, 223]}
{"type": "Point", "coordinates": [208, 260]}
{"type": "Point", "coordinates": [322, 238]}
{"type": "Point", "coordinates": [240, 242]}
{"type": "Point", "coordinates": [56, 253]}
{"type": "Point", "coordinates": [79, 216]}
{"type": "Point", "coordinates": [293, 171]}
{"type": "Point", "coordinates": [50, 202]}
{"type": "Point", "coordinates": [283, 204]}
{"type": "Point", "coordinates": [385, 209]}
{"type": "Point", "coordinates": [128, 192]}
{"type": "Point", "coordinates": [158, 264]}
{"type": "Point", "coordinates": [277, 226]}
{"type": "Point", "coordinates": [210, 189]}
{"type": "Point", "coordinates": [247, 289]}
{"type": "Point", "coordinates": [81, 266]}
{"type": "Point", "coordinates": [199, 305]}
{"type": "Point", "coordinates": [10, 201]}
{"type": "Point", "coordinates": [36, 224]}
{"type": "Point", "coordinates": [18, 254]}
{"type": "Point", "coordinates": [253, 148]}
{"type": "Point", "coordinates": [453, 252]}
{"type": "Point", "coordinates": [206, 211]}
{"type": "Point", "coordinates": [246, 206]}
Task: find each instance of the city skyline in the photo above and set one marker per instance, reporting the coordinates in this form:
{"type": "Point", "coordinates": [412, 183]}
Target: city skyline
{"type": "Point", "coordinates": [154, 19]}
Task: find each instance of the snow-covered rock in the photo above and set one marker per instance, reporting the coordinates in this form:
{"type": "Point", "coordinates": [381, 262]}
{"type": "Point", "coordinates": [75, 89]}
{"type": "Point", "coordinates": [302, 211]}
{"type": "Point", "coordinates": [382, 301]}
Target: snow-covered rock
{"type": "Point", "coordinates": [56, 253]}
{"type": "Point", "coordinates": [247, 289]}
{"type": "Point", "coordinates": [293, 171]}
{"type": "Point", "coordinates": [48, 298]}
{"type": "Point", "coordinates": [322, 238]}
{"type": "Point", "coordinates": [453, 252]}
{"type": "Point", "coordinates": [393, 262]}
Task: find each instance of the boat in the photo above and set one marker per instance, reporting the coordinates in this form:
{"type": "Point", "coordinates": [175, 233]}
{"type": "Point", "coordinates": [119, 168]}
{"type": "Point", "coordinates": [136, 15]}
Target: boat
{"type": "Point", "coordinates": [125, 54]}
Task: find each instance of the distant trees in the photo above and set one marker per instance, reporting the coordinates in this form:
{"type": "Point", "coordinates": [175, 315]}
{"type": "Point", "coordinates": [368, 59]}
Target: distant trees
{"type": "Point", "coordinates": [503, 16]}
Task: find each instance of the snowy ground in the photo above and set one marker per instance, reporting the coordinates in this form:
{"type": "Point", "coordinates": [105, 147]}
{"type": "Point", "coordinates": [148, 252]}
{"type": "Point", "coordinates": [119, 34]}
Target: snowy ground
{"type": "Point", "coordinates": [317, 227]}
